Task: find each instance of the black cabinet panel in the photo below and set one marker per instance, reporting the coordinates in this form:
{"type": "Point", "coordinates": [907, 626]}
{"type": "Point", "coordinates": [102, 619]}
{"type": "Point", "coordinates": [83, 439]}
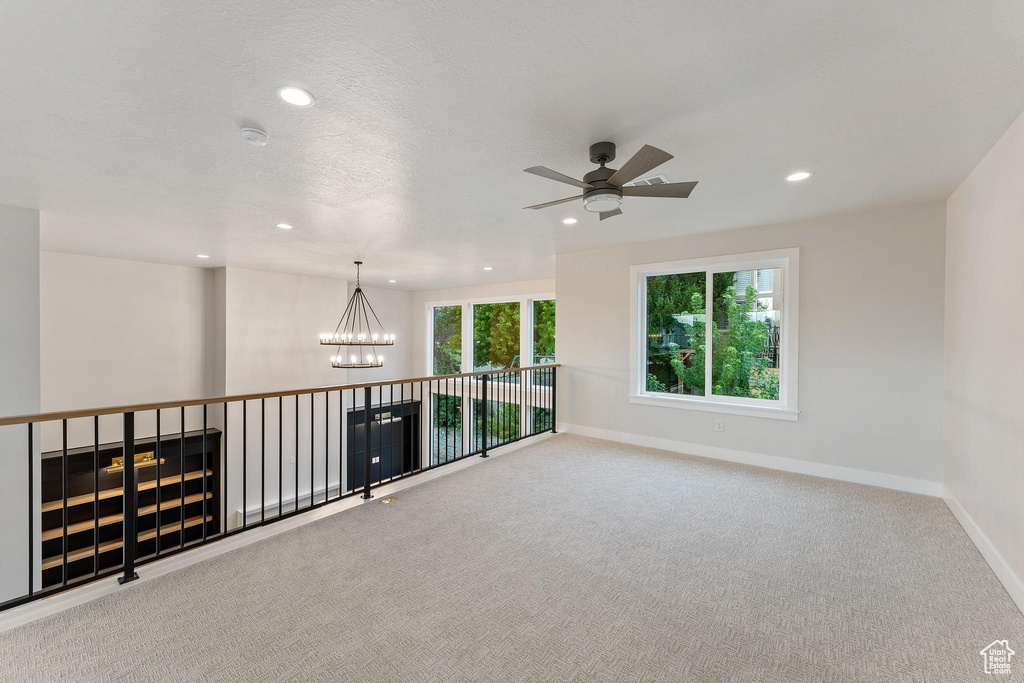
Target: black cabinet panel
{"type": "Point", "coordinates": [95, 493]}
{"type": "Point", "coordinates": [394, 442]}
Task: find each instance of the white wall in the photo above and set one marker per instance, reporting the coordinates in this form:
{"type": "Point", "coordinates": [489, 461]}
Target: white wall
{"type": "Point", "coordinates": [19, 387]}
{"type": "Point", "coordinates": [984, 363]}
{"type": "Point", "coordinates": [116, 332]}
{"type": "Point", "coordinates": [272, 323]}
{"type": "Point", "coordinates": [499, 290]}
{"type": "Point", "coordinates": [870, 362]}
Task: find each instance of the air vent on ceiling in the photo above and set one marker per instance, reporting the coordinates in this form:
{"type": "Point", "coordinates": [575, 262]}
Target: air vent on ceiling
{"type": "Point", "coordinates": [653, 180]}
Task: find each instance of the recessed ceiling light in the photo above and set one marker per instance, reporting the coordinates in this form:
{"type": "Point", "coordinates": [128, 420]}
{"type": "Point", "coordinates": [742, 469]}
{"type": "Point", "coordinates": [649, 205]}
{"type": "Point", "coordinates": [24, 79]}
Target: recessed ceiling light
{"type": "Point", "coordinates": [296, 96]}
{"type": "Point", "coordinates": [488, 268]}
{"type": "Point", "coordinates": [799, 175]}
{"type": "Point", "coordinates": [284, 226]}
{"type": "Point", "coordinates": [392, 281]}
{"type": "Point", "coordinates": [202, 256]}
{"type": "Point", "coordinates": [569, 221]}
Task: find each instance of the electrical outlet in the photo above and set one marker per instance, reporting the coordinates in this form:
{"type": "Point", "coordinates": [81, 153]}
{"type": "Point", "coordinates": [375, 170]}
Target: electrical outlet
{"type": "Point", "coordinates": [375, 461]}
{"type": "Point", "coordinates": [291, 459]}
{"type": "Point", "coordinates": [719, 425]}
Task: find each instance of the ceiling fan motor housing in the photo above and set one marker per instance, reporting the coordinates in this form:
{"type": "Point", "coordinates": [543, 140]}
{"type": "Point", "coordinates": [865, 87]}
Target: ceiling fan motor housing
{"type": "Point", "coordinates": [602, 152]}
{"type": "Point", "coordinates": [603, 197]}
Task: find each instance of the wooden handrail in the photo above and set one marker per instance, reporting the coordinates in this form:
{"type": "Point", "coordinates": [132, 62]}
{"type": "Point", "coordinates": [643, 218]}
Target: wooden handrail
{"type": "Point", "coordinates": [140, 407]}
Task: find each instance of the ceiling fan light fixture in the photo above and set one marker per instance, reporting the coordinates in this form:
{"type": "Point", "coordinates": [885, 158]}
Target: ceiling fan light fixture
{"type": "Point", "coordinates": [599, 202]}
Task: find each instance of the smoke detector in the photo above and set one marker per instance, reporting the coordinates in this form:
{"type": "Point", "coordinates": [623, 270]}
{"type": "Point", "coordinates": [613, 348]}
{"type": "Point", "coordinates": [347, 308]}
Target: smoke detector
{"type": "Point", "coordinates": [255, 136]}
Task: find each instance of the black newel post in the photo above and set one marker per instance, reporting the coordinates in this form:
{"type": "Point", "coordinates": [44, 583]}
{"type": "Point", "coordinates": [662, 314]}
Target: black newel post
{"type": "Point", "coordinates": [483, 420]}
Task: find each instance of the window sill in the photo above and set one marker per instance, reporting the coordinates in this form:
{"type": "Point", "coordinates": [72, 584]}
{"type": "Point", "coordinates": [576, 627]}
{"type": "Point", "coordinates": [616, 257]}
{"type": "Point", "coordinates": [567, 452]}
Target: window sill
{"type": "Point", "coordinates": [715, 407]}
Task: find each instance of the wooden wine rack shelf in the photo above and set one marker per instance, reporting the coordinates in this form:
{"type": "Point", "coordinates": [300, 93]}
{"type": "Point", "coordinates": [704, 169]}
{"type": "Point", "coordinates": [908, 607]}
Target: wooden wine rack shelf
{"type": "Point", "coordinates": [118, 492]}
{"type": "Point", "coordinates": [85, 533]}
{"type": "Point", "coordinates": [172, 527]}
{"type": "Point", "coordinates": [88, 525]}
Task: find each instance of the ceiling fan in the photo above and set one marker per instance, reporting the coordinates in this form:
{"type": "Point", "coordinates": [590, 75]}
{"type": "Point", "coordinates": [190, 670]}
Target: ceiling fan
{"type": "Point", "coordinates": [603, 187]}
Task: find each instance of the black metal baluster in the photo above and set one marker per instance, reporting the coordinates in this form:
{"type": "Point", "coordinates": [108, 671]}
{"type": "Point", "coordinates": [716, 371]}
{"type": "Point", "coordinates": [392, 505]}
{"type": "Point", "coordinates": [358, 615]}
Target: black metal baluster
{"type": "Point", "coordinates": [96, 491]}
{"type": "Point", "coordinates": [227, 458]}
{"type": "Point", "coordinates": [554, 400]}
{"type": "Point", "coordinates": [419, 435]}
{"type": "Point", "coordinates": [351, 444]}
{"type": "Point", "coordinates": [158, 453]}
{"type": "Point", "coordinates": [280, 456]}
{"type": "Point", "coordinates": [447, 418]}
{"type": "Point", "coordinates": [181, 487]}
{"type": "Point", "coordinates": [327, 445]}
{"type": "Point", "coordinates": [391, 432]}
{"type": "Point", "coordinates": [31, 511]}
{"type": "Point", "coordinates": [367, 459]}
{"type": "Point", "coordinates": [263, 460]}
{"type": "Point", "coordinates": [312, 457]}
{"type": "Point", "coordinates": [131, 501]}
{"type": "Point", "coordinates": [296, 452]}
{"type": "Point", "coordinates": [341, 441]}
{"type": "Point", "coordinates": [64, 491]}
{"type": "Point", "coordinates": [401, 429]}
{"type": "Point", "coordinates": [245, 460]}
{"type": "Point", "coordinates": [431, 420]}
{"type": "Point", "coordinates": [204, 481]}
{"type": "Point", "coordinates": [534, 395]}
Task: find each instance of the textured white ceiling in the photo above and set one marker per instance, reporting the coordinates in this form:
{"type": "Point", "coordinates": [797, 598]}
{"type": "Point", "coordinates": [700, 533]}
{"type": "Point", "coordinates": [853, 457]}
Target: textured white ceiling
{"type": "Point", "coordinates": [120, 122]}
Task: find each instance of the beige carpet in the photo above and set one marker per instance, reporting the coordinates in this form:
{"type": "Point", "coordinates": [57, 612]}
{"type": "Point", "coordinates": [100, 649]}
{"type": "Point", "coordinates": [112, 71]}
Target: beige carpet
{"type": "Point", "coordinates": [569, 560]}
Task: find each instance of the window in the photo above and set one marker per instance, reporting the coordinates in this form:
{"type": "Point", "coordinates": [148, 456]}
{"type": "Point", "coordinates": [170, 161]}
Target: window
{"type": "Point", "coordinates": [469, 335]}
{"type": "Point", "coordinates": [496, 336]}
{"type": "Point", "coordinates": [718, 334]}
{"type": "Point", "coordinates": [447, 346]}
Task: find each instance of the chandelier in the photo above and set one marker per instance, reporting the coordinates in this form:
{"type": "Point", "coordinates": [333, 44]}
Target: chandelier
{"type": "Point", "coordinates": [356, 331]}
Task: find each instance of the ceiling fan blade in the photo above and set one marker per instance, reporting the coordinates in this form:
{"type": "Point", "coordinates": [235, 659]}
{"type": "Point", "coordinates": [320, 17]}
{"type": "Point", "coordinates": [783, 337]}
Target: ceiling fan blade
{"type": "Point", "coordinates": [555, 175]}
{"type": "Point", "coordinates": [610, 214]}
{"type": "Point", "coordinates": [680, 190]}
{"type": "Point", "coordinates": [643, 161]}
{"type": "Point", "coordinates": [557, 201]}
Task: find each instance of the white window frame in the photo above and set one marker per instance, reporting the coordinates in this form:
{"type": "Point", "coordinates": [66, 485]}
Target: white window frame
{"type": "Point", "coordinates": [473, 386]}
{"type": "Point", "coordinates": [786, 408]}
{"type": "Point", "coordinates": [525, 330]}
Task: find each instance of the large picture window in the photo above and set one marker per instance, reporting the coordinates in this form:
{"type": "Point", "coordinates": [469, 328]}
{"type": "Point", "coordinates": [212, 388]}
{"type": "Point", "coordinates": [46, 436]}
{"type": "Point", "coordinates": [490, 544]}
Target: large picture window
{"type": "Point", "coordinates": [468, 336]}
{"type": "Point", "coordinates": [718, 334]}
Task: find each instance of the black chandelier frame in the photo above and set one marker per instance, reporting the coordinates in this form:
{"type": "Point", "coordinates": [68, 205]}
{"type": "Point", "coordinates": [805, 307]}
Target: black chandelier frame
{"type": "Point", "coordinates": [356, 328]}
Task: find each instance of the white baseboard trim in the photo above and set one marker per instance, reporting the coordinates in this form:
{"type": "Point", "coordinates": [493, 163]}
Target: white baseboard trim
{"type": "Point", "coordinates": [1011, 582]}
{"type": "Point", "coordinates": [889, 481]}
{"type": "Point", "coordinates": [58, 603]}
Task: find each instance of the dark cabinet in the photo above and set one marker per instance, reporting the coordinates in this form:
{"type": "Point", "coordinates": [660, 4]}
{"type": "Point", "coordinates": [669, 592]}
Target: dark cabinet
{"type": "Point", "coordinates": [394, 442]}
{"type": "Point", "coordinates": [92, 520]}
